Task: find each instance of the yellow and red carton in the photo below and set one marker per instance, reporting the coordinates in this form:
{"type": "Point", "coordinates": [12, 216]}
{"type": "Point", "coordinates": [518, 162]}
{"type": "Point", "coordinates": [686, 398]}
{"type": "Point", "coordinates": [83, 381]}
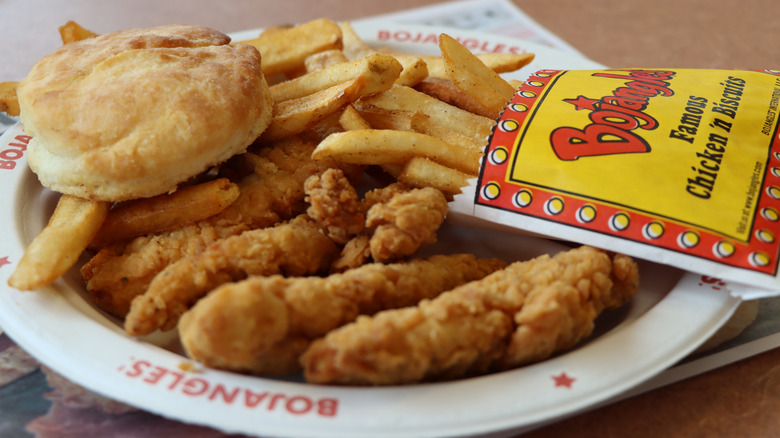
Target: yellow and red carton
{"type": "Point", "coordinates": [678, 166]}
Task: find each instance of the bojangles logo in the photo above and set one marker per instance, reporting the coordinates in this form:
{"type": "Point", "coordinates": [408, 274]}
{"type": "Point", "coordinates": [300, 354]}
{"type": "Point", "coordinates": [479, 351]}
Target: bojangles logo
{"type": "Point", "coordinates": [615, 118]}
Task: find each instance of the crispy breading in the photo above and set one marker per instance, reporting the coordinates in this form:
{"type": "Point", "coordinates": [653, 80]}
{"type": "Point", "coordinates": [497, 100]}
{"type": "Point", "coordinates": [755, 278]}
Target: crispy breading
{"type": "Point", "coordinates": [120, 272]}
{"type": "Point", "coordinates": [240, 326]}
{"type": "Point", "coordinates": [390, 223]}
{"type": "Point", "coordinates": [334, 203]}
{"type": "Point", "coordinates": [405, 223]}
{"type": "Point", "coordinates": [274, 191]}
{"type": "Point", "coordinates": [294, 248]}
{"type": "Point", "coordinates": [518, 315]}
{"type": "Point", "coordinates": [354, 254]}
{"type": "Point", "coordinates": [271, 185]}
{"type": "Point", "coordinates": [382, 194]}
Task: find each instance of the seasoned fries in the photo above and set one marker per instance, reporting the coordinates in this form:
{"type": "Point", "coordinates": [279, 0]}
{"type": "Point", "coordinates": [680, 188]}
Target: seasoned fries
{"type": "Point", "coordinates": [399, 120]}
{"type": "Point", "coordinates": [446, 91]}
{"type": "Point", "coordinates": [9, 104]}
{"type": "Point", "coordinates": [296, 115]}
{"type": "Point", "coordinates": [351, 119]}
{"type": "Point", "coordinates": [319, 61]}
{"type": "Point", "coordinates": [415, 70]}
{"type": "Point", "coordinates": [384, 146]}
{"type": "Point", "coordinates": [420, 172]}
{"type": "Point", "coordinates": [440, 113]}
{"type": "Point", "coordinates": [498, 62]}
{"type": "Point", "coordinates": [474, 78]}
{"type": "Point", "coordinates": [378, 71]}
{"type": "Point", "coordinates": [302, 102]}
{"type": "Point", "coordinates": [56, 249]}
{"type": "Point", "coordinates": [286, 49]}
{"type": "Point", "coordinates": [163, 212]}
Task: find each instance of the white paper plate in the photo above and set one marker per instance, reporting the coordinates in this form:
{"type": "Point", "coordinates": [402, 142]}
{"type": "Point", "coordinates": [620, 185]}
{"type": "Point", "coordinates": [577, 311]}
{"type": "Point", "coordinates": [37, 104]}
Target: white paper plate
{"type": "Point", "coordinates": [662, 324]}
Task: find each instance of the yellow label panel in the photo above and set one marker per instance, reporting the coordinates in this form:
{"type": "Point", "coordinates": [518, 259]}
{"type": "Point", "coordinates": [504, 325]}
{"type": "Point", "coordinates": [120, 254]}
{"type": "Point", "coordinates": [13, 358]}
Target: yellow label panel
{"type": "Point", "coordinates": [682, 150]}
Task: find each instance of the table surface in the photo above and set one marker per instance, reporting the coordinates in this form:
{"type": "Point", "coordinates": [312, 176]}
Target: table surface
{"type": "Point", "coordinates": [741, 399]}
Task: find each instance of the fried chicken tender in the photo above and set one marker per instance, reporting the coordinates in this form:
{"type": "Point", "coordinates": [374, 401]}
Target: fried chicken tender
{"type": "Point", "coordinates": [294, 248]}
{"type": "Point", "coordinates": [388, 224]}
{"type": "Point", "coordinates": [515, 316]}
{"type": "Point", "coordinates": [274, 191]}
{"type": "Point", "coordinates": [271, 190]}
{"type": "Point", "coordinates": [405, 223]}
{"type": "Point", "coordinates": [261, 325]}
{"type": "Point", "coordinates": [382, 194]}
{"type": "Point", "coordinates": [356, 253]}
{"type": "Point", "coordinates": [335, 204]}
{"type": "Point", "coordinates": [120, 272]}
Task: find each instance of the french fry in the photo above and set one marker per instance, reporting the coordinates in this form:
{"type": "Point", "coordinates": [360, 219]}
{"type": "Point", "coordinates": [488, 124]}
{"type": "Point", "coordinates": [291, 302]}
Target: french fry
{"type": "Point", "coordinates": [473, 77]}
{"type": "Point", "coordinates": [446, 91]}
{"type": "Point", "coordinates": [498, 62]}
{"type": "Point", "coordinates": [440, 113]}
{"type": "Point", "coordinates": [399, 120]}
{"type": "Point", "coordinates": [380, 72]}
{"type": "Point", "coordinates": [352, 45]}
{"type": "Point", "coordinates": [505, 62]}
{"type": "Point", "coordinates": [392, 169]}
{"type": "Point", "coordinates": [9, 104]}
{"type": "Point", "coordinates": [416, 121]}
{"type": "Point", "coordinates": [319, 61]}
{"type": "Point", "coordinates": [383, 146]}
{"type": "Point", "coordinates": [351, 119]}
{"type": "Point", "coordinates": [72, 31]}
{"type": "Point", "coordinates": [60, 244]}
{"type": "Point", "coordinates": [414, 71]}
{"type": "Point", "coordinates": [418, 171]}
{"type": "Point", "coordinates": [163, 212]}
{"type": "Point", "coordinates": [328, 125]}
{"type": "Point", "coordinates": [424, 126]}
{"type": "Point", "coordinates": [278, 28]}
{"type": "Point", "coordinates": [423, 172]}
{"type": "Point", "coordinates": [285, 50]}
{"type": "Point", "coordinates": [296, 115]}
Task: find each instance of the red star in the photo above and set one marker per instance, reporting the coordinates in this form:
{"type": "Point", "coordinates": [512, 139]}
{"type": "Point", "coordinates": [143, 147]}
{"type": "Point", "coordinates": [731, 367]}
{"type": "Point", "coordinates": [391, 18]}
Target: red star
{"type": "Point", "coordinates": [4, 261]}
{"type": "Point", "coordinates": [582, 102]}
{"type": "Point", "coordinates": [563, 380]}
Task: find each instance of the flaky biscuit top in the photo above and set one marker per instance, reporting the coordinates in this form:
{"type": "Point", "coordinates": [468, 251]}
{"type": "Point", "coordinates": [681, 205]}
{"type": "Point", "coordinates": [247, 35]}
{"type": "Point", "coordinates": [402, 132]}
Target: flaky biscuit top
{"type": "Point", "coordinates": [133, 113]}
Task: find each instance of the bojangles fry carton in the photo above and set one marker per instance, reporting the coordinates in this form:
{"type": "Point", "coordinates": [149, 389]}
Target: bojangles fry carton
{"type": "Point", "coordinates": [676, 166]}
